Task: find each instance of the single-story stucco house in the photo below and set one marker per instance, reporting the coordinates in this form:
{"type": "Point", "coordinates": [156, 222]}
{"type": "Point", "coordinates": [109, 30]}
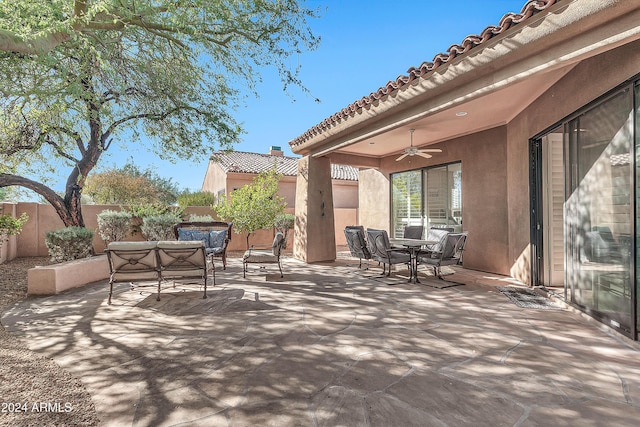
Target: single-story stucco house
{"type": "Point", "coordinates": [537, 119]}
{"type": "Point", "coordinates": [230, 170]}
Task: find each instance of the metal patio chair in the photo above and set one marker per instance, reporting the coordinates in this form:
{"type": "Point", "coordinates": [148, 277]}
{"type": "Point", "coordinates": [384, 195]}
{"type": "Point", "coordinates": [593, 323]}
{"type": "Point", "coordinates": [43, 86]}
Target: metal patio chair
{"type": "Point", "coordinates": [381, 250]}
{"type": "Point", "coordinates": [413, 232]}
{"type": "Point", "coordinates": [357, 243]}
{"type": "Point", "coordinates": [450, 254]}
{"type": "Point", "coordinates": [256, 255]}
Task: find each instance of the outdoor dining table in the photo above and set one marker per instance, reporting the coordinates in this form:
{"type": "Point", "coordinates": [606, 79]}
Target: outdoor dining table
{"type": "Point", "coordinates": [413, 245]}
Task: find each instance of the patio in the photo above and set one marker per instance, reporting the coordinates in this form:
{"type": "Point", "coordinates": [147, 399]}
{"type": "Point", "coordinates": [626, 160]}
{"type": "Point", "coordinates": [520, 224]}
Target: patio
{"type": "Point", "coordinates": [333, 345]}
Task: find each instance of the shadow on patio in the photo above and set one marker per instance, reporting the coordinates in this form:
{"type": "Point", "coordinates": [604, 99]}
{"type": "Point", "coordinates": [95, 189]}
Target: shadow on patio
{"type": "Point", "coordinates": [333, 345]}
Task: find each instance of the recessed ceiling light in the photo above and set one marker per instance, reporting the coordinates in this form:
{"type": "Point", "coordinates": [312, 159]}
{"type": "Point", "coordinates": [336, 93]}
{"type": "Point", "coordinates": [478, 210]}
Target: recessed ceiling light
{"type": "Point", "coordinates": [372, 142]}
{"type": "Point", "coordinates": [461, 113]}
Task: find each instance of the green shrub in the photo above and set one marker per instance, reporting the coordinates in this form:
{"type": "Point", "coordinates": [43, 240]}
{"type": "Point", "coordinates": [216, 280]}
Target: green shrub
{"type": "Point", "coordinates": [200, 218]}
{"type": "Point", "coordinates": [159, 227]}
{"type": "Point", "coordinates": [66, 244]}
{"type": "Point", "coordinates": [139, 212]}
{"type": "Point", "coordinates": [201, 198]}
{"type": "Point", "coordinates": [10, 226]}
{"type": "Point", "coordinates": [284, 223]}
{"type": "Point", "coordinates": [114, 226]}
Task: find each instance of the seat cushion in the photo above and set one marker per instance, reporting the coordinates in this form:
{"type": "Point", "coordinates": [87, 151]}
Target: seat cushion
{"type": "Point", "coordinates": [259, 256]}
{"type": "Point", "coordinates": [216, 239]}
{"type": "Point", "coordinates": [399, 257]}
{"type": "Point", "coordinates": [185, 235]}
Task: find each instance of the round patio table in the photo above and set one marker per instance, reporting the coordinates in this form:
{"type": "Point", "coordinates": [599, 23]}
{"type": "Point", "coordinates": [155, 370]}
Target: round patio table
{"type": "Point", "coordinates": [413, 245]}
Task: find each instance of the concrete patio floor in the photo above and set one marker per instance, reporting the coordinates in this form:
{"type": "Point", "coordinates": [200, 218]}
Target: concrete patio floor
{"type": "Point", "coordinates": [331, 345]}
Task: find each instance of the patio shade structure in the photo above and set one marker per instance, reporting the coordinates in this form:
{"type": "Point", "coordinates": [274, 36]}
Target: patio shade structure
{"type": "Point", "coordinates": [484, 103]}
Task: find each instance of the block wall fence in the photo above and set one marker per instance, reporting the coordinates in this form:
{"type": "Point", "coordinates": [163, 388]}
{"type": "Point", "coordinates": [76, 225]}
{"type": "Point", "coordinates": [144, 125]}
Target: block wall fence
{"type": "Point", "coordinates": [43, 218]}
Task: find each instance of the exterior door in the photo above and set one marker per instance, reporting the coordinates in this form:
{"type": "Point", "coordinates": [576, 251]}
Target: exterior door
{"type": "Point", "coordinates": [584, 184]}
{"type": "Point", "coordinates": [598, 213]}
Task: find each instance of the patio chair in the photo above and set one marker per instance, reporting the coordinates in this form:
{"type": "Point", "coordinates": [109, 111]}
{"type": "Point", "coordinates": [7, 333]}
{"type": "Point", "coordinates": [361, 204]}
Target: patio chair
{"type": "Point", "coordinates": [450, 254]}
{"type": "Point", "coordinates": [357, 243]}
{"type": "Point", "coordinates": [381, 250]}
{"type": "Point", "coordinates": [413, 232]}
{"type": "Point", "coordinates": [265, 255]}
{"type": "Point", "coordinates": [436, 234]}
{"type": "Point", "coordinates": [132, 262]}
{"type": "Point", "coordinates": [215, 235]}
{"type": "Point", "coordinates": [183, 260]}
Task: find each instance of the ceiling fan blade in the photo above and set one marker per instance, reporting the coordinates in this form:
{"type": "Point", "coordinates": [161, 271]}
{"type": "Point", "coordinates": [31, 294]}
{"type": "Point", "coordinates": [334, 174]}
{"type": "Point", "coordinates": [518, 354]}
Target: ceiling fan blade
{"type": "Point", "coordinates": [402, 157]}
{"type": "Point", "coordinates": [431, 150]}
{"type": "Point", "coordinates": [425, 155]}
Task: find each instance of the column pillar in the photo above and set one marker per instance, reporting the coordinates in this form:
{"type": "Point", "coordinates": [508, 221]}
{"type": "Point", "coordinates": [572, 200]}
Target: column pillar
{"type": "Point", "coordinates": [314, 237]}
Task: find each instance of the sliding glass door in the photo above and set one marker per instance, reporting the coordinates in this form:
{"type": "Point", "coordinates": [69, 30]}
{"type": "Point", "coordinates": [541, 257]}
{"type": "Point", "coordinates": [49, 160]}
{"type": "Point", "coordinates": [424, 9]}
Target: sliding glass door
{"type": "Point", "coordinates": [443, 196]}
{"type": "Point", "coordinates": [598, 213]}
{"type": "Point", "coordinates": [431, 197]}
{"type": "Point", "coordinates": [587, 209]}
{"type": "Point", "coordinates": [406, 199]}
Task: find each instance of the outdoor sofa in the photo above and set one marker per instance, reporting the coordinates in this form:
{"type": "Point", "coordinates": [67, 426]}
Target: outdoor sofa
{"type": "Point", "coordinates": [157, 261]}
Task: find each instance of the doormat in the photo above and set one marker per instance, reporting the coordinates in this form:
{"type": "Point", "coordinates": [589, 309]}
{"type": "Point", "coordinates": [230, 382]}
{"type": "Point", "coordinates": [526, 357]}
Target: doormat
{"type": "Point", "coordinates": [528, 298]}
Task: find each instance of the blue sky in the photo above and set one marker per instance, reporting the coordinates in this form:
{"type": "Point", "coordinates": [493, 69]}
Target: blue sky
{"type": "Point", "coordinates": [364, 45]}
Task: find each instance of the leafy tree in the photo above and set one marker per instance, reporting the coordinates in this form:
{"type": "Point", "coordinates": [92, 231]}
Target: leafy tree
{"type": "Point", "coordinates": [283, 223]}
{"type": "Point", "coordinates": [200, 198]}
{"type": "Point", "coordinates": [10, 226]}
{"type": "Point", "coordinates": [253, 206]}
{"type": "Point", "coordinates": [130, 186]}
{"type": "Point", "coordinates": [78, 75]}
{"type": "Point", "coordinates": [167, 189]}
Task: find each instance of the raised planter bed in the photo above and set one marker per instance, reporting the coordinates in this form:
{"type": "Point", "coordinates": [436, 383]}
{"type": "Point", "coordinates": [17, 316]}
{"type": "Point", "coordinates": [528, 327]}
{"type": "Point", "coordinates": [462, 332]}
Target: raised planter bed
{"type": "Point", "coordinates": [55, 278]}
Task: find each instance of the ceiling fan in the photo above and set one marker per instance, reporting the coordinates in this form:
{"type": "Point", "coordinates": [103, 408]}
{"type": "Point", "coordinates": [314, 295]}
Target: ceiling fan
{"type": "Point", "coordinates": [413, 151]}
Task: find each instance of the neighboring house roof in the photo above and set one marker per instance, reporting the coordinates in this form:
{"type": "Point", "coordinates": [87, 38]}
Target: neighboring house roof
{"type": "Point", "coordinates": [255, 163]}
{"type": "Point", "coordinates": [426, 69]}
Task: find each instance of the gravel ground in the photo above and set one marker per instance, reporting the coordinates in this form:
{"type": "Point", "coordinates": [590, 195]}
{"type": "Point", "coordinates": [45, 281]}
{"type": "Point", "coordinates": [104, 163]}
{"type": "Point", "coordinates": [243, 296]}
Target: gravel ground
{"type": "Point", "coordinates": [29, 379]}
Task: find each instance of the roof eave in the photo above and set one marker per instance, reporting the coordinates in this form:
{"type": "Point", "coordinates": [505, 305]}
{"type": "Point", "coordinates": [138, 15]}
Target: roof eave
{"type": "Point", "coordinates": [545, 37]}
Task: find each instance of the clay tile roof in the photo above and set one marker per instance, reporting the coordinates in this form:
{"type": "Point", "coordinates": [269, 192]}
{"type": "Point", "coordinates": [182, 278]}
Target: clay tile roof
{"type": "Point", "coordinates": [244, 162]}
{"type": "Point", "coordinates": [426, 68]}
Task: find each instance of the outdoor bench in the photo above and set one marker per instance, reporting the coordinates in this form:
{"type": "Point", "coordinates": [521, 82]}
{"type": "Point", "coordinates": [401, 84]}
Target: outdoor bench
{"type": "Point", "coordinates": [157, 261]}
{"type": "Point", "coordinates": [215, 235]}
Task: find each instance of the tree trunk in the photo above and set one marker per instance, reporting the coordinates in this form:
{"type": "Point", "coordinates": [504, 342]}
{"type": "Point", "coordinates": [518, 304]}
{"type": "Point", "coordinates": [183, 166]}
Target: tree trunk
{"type": "Point", "coordinates": [68, 209]}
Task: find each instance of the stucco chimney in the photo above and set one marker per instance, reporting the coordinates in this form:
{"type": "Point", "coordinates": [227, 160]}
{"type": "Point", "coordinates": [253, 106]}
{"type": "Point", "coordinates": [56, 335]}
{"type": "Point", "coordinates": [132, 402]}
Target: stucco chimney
{"type": "Point", "coordinates": [276, 151]}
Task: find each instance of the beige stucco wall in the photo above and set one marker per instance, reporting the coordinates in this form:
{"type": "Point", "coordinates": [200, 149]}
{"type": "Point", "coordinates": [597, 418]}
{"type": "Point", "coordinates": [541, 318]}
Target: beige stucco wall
{"type": "Point", "coordinates": [484, 194]}
{"type": "Point", "coordinates": [215, 179]}
{"type": "Point", "coordinates": [589, 80]}
{"type": "Point", "coordinates": [42, 218]}
{"type": "Point", "coordinates": [373, 192]}
{"type": "Point", "coordinates": [345, 194]}
{"type": "Point", "coordinates": [315, 229]}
